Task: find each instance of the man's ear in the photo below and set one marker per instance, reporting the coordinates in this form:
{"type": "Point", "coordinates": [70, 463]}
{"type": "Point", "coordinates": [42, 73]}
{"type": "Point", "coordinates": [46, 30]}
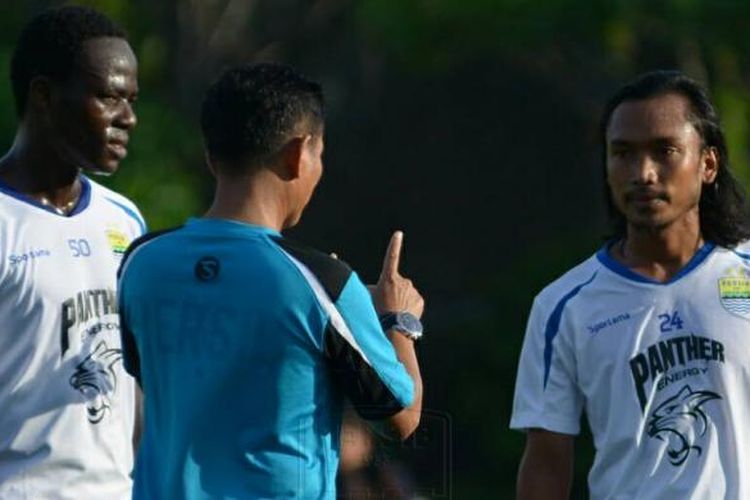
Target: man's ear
{"type": "Point", "coordinates": [710, 165]}
{"type": "Point", "coordinates": [40, 94]}
{"type": "Point", "coordinates": [293, 156]}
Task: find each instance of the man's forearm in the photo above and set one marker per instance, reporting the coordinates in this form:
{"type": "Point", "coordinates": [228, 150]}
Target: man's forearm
{"type": "Point", "coordinates": [407, 420]}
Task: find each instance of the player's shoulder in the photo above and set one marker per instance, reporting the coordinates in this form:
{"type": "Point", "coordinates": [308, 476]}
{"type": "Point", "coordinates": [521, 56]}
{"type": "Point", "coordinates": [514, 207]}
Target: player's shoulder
{"type": "Point", "coordinates": [742, 249]}
{"type": "Point", "coordinates": [141, 243]}
{"type": "Point", "coordinates": [118, 201]}
{"type": "Point", "coordinates": [9, 208]}
{"type": "Point", "coordinates": [101, 191]}
{"type": "Point", "coordinates": [332, 273]}
{"type": "Point", "coordinates": [569, 283]}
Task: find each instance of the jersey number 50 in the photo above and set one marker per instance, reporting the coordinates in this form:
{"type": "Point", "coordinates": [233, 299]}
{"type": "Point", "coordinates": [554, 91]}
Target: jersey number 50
{"type": "Point", "coordinates": [80, 248]}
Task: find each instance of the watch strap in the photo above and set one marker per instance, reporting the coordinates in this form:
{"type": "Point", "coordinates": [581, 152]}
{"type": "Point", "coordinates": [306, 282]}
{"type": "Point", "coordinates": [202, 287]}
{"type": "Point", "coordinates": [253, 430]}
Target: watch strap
{"type": "Point", "coordinates": [403, 322]}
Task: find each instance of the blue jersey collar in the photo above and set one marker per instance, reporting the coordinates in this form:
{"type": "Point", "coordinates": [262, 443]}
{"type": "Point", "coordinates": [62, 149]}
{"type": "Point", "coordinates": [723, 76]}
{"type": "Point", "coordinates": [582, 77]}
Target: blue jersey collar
{"type": "Point", "coordinates": [230, 225]}
{"type": "Point", "coordinates": [618, 268]}
{"type": "Point", "coordinates": [83, 200]}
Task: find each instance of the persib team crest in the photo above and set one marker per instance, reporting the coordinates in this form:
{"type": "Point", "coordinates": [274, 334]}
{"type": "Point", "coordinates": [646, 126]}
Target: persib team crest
{"type": "Point", "coordinates": [734, 292]}
{"type": "Point", "coordinates": [118, 241]}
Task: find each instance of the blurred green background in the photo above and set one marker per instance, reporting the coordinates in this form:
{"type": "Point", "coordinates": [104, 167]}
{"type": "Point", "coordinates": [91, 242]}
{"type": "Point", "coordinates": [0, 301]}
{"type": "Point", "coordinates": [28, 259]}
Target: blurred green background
{"type": "Point", "coordinates": [469, 124]}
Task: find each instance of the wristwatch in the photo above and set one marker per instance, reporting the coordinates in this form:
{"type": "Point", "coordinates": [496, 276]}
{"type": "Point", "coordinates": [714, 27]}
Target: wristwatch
{"type": "Point", "coordinates": [403, 322]}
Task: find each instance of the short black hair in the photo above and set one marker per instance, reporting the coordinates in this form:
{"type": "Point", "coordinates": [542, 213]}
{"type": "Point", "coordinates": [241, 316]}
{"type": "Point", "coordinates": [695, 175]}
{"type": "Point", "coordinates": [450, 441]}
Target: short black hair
{"type": "Point", "coordinates": [252, 110]}
{"type": "Point", "coordinates": [49, 44]}
{"type": "Point", "coordinates": [722, 206]}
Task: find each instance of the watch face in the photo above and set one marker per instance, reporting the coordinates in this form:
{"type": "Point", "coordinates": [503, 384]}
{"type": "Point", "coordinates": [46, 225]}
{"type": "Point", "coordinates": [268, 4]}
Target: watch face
{"type": "Point", "coordinates": [410, 322]}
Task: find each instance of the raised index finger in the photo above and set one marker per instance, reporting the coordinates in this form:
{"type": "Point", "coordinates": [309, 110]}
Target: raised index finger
{"type": "Point", "coordinates": [393, 255]}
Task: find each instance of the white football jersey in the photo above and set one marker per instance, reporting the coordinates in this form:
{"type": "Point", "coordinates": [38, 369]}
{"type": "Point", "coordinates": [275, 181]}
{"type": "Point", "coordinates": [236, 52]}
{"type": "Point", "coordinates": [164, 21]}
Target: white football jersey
{"type": "Point", "coordinates": [67, 405]}
{"type": "Point", "coordinates": [662, 371]}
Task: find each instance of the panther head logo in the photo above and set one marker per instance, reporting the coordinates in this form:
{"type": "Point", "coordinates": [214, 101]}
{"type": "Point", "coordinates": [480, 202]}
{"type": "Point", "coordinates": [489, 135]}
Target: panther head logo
{"type": "Point", "coordinates": [95, 378]}
{"type": "Point", "coordinates": [679, 420]}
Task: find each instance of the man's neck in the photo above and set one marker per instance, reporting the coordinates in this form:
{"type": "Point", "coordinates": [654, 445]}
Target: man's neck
{"type": "Point", "coordinates": [660, 253]}
{"type": "Point", "coordinates": [255, 201]}
{"type": "Point", "coordinates": [33, 168]}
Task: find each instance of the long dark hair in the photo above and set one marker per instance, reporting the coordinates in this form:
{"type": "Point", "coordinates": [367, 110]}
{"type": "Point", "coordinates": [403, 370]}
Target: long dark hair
{"type": "Point", "coordinates": [722, 206]}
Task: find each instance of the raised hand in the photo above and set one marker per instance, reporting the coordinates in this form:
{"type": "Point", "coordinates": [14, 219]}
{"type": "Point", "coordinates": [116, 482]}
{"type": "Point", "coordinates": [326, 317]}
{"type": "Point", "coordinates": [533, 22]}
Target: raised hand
{"type": "Point", "coordinates": [393, 292]}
